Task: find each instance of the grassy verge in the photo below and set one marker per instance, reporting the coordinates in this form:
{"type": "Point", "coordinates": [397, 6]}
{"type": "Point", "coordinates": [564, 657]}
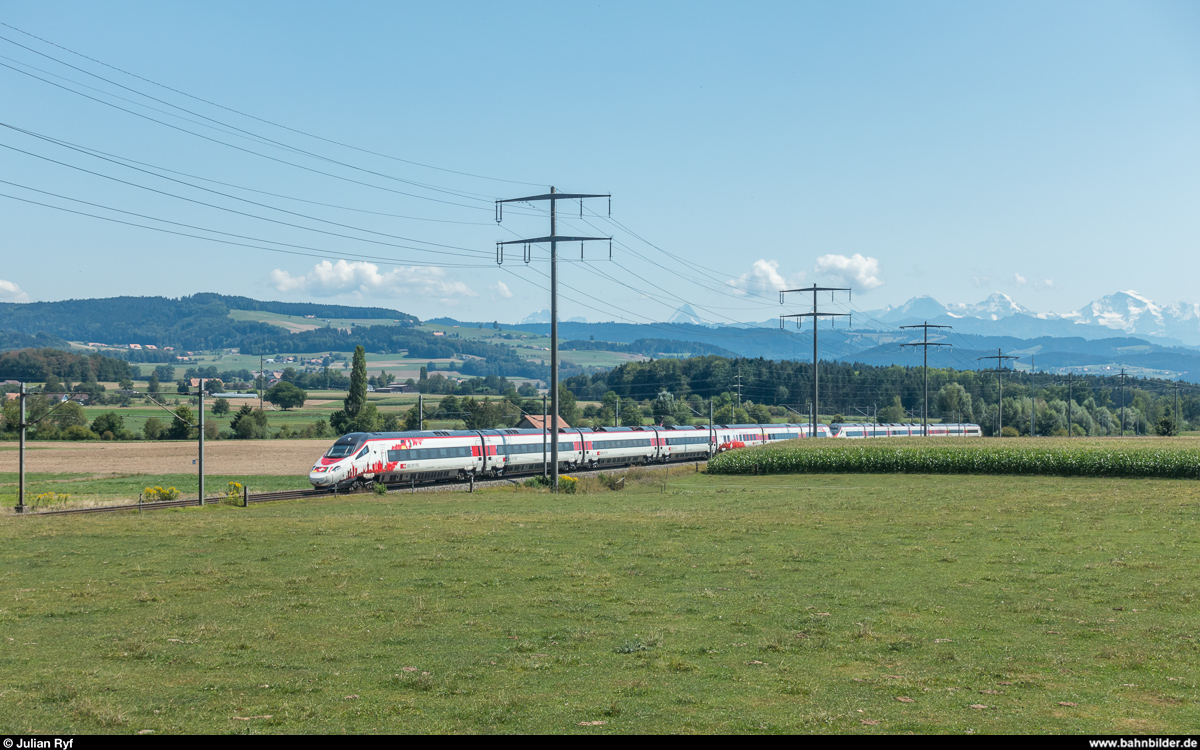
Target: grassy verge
{"type": "Point", "coordinates": [87, 489]}
{"type": "Point", "coordinates": [705, 604]}
{"type": "Point", "coordinates": [1177, 458]}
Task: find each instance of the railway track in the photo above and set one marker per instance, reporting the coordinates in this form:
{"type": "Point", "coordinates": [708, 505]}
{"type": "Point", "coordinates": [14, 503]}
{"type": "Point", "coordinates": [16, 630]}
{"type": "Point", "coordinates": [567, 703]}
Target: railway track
{"type": "Point", "coordinates": [266, 497]}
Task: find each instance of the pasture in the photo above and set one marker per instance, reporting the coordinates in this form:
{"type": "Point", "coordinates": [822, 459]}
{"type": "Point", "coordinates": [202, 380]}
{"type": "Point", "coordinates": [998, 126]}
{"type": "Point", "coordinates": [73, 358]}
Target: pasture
{"type": "Point", "coordinates": [688, 603]}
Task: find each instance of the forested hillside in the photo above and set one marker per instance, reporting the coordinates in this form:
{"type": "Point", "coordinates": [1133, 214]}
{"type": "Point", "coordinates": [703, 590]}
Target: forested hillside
{"type": "Point", "coordinates": [10, 340]}
{"type": "Point", "coordinates": [854, 390]}
{"type": "Point", "coordinates": [37, 365]}
{"type": "Point", "coordinates": [202, 322]}
{"type": "Point", "coordinates": [649, 347]}
{"type": "Point", "coordinates": [198, 322]}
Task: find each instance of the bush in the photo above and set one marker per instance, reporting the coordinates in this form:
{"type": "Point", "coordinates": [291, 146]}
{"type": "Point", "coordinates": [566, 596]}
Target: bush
{"type": "Point", "coordinates": [233, 493]}
{"type": "Point", "coordinates": [153, 428]}
{"type": "Point", "coordinates": [50, 498]}
{"type": "Point", "coordinates": [286, 395]}
{"type": "Point", "coordinates": [380, 488]}
{"type": "Point", "coordinates": [610, 481]}
{"type": "Point", "coordinates": [1009, 431]}
{"type": "Point", "coordinates": [154, 494]}
{"type": "Point", "coordinates": [79, 432]}
{"type": "Point", "coordinates": [1166, 426]}
{"type": "Point", "coordinates": [568, 485]}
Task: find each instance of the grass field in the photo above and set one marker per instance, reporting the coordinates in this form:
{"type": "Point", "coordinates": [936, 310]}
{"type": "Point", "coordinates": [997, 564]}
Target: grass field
{"type": "Point", "coordinates": [832, 603]}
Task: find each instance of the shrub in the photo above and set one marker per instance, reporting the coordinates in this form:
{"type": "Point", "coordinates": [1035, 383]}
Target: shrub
{"type": "Point", "coordinates": [233, 493]}
{"type": "Point", "coordinates": [380, 488]}
{"type": "Point", "coordinates": [568, 485]}
{"type": "Point", "coordinates": [153, 428]}
{"type": "Point", "coordinates": [611, 481]}
{"type": "Point", "coordinates": [154, 494]}
{"type": "Point", "coordinates": [50, 498]}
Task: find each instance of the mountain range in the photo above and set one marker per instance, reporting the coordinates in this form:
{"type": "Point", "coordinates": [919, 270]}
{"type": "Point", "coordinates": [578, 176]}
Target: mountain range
{"type": "Point", "coordinates": [1123, 312]}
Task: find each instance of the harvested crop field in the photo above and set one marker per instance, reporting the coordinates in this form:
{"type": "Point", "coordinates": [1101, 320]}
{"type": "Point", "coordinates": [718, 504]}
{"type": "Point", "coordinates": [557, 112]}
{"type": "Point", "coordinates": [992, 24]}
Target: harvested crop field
{"type": "Point", "coordinates": [233, 457]}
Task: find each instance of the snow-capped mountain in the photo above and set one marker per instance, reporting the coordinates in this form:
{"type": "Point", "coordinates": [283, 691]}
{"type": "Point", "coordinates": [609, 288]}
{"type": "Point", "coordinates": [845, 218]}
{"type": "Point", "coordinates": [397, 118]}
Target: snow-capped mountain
{"type": "Point", "coordinates": [917, 307]}
{"type": "Point", "coordinates": [685, 314]}
{"type": "Point", "coordinates": [997, 305]}
{"type": "Point", "coordinates": [543, 316]}
{"type": "Point", "coordinates": [1125, 312]}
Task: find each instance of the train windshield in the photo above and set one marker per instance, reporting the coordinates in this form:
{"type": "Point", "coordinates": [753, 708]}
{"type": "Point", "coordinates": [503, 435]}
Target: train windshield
{"type": "Point", "coordinates": [345, 447]}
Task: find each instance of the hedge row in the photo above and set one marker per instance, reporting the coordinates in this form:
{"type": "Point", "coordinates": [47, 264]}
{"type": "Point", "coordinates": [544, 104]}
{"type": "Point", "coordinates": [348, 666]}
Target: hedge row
{"type": "Point", "coordinates": [970, 456]}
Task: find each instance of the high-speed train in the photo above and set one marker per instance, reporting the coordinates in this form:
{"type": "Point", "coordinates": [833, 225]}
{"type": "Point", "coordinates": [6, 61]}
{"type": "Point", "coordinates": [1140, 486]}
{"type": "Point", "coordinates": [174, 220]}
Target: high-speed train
{"type": "Point", "coordinates": [941, 429]}
{"type": "Point", "coordinates": [444, 455]}
{"type": "Point", "coordinates": [433, 455]}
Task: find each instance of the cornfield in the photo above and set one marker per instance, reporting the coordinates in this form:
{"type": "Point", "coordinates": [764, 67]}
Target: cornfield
{"type": "Point", "coordinates": [1169, 459]}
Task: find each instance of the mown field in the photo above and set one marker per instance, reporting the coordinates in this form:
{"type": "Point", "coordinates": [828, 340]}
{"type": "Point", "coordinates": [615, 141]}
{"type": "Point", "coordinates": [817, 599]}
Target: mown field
{"type": "Point", "coordinates": [694, 603]}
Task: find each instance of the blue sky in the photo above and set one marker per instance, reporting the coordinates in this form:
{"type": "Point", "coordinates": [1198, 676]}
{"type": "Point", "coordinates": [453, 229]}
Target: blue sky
{"type": "Point", "coordinates": [1046, 150]}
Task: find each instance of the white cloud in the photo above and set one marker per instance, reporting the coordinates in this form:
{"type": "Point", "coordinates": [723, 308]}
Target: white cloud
{"type": "Point", "coordinates": [1019, 280]}
{"type": "Point", "coordinates": [363, 279]}
{"type": "Point", "coordinates": [852, 270]}
{"type": "Point", "coordinates": [764, 277]}
{"type": "Point", "coordinates": [10, 292]}
{"type": "Point", "coordinates": [981, 280]}
{"type": "Point", "coordinates": [501, 290]}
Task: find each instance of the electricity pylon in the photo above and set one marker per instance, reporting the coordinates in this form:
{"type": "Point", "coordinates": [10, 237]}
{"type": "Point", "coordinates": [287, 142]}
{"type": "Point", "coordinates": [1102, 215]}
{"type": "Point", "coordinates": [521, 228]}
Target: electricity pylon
{"type": "Point", "coordinates": [553, 238]}
{"type": "Point", "coordinates": [999, 357]}
{"type": "Point", "coordinates": [814, 315]}
{"type": "Point", "coordinates": [925, 345]}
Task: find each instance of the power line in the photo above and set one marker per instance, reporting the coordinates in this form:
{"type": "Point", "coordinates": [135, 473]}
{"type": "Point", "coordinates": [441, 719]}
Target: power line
{"type": "Point", "coordinates": [467, 251]}
{"type": "Point", "coordinates": [247, 150]}
{"type": "Point", "coordinates": [243, 114]}
{"type": "Point", "coordinates": [324, 255]}
{"type": "Point", "coordinates": [123, 159]}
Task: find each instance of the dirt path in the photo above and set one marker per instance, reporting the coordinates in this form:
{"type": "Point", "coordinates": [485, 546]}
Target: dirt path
{"type": "Point", "coordinates": [248, 457]}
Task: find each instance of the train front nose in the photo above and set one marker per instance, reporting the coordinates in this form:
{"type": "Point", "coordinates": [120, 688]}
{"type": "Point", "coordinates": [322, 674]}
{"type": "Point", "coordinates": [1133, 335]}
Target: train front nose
{"type": "Point", "coordinates": [321, 476]}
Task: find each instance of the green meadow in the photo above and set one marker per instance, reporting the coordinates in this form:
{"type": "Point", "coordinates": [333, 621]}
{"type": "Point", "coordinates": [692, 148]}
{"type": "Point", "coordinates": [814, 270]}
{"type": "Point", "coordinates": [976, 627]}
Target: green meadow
{"type": "Point", "coordinates": [684, 603]}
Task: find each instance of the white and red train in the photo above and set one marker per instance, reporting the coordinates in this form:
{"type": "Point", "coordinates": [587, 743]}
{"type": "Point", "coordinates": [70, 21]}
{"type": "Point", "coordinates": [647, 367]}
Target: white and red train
{"type": "Point", "coordinates": [442, 455]}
